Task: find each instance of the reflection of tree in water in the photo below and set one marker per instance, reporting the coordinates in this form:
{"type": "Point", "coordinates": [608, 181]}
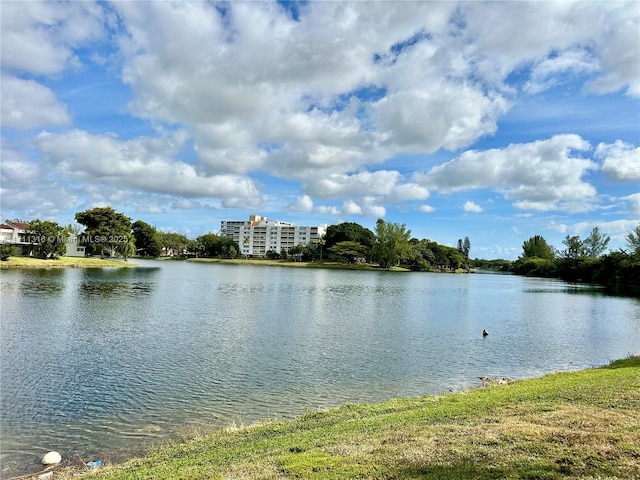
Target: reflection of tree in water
{"type": "Point", "coordinates": [41, 281]}
{"type": "Point", "coordinates": [142, 288]}
{"type": "Point", "coordinates": [113, 289]}
{"type": "Point", "coordinates": [126, 282]}
{"type": "Point", "coordinates": [36, 287]}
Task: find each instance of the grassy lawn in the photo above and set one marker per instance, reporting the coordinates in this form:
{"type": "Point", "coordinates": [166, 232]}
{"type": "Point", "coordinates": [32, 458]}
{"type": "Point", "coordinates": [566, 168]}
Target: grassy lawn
{"type": "Point", "coordinates": [74, 262]}
{"type": "Point", "coordinates": [567, 425]}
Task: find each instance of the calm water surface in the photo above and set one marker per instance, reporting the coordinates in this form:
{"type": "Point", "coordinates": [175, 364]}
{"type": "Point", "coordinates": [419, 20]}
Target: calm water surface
{"type": "Point", "coordinates": [98, 363]}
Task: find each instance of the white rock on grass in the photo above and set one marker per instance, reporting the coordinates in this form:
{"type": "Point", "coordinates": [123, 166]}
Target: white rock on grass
{"type": "Point", "coordinates": [51, 458]}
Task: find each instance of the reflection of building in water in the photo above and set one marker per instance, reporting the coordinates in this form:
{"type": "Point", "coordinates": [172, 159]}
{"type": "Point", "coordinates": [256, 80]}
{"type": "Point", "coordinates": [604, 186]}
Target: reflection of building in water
{"type": "Point", "coordinates": [259, 235]}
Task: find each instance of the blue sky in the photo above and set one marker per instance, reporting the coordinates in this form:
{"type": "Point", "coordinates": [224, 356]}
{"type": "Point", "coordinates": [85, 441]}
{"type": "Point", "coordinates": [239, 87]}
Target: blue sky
{"type": "Point", "coordinates": [497, 121]}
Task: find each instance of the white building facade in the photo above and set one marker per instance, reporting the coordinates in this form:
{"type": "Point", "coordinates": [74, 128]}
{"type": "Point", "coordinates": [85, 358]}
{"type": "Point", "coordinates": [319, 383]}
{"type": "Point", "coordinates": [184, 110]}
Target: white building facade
{"type": "Point", "coordinates": [14, 233]}
{"type": "Point", "coordinates": [259, 235]}
{"type": "Point", "coordinates": [74, 249]}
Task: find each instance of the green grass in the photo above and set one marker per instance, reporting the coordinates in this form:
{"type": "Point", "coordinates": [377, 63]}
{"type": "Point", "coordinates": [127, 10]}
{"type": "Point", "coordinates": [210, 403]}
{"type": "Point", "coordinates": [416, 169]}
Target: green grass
{"type": "Point", "coordinates": [73, 262]}
{"type": "Point", "coordinates": [567, 425]}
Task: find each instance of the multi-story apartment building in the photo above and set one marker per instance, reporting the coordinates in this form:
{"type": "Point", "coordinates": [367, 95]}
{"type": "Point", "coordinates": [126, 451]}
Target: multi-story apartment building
{"type": "Point", "coordinates": [259, 235]}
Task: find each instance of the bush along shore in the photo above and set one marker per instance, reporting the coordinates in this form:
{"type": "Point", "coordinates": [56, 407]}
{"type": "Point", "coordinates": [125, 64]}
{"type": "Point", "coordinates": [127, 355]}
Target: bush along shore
{"type": "Point", "coordinates": [583, 424]}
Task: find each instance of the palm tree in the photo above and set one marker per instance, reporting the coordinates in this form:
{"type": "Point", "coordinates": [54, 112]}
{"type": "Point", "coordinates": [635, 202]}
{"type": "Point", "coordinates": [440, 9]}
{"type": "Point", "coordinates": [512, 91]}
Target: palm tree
{"type": "Point", "coordinates": [245, 242]}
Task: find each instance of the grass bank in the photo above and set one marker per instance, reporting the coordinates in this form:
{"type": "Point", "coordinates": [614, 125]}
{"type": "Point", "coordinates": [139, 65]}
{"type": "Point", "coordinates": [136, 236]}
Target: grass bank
{"type": "Point", "coordinates": [291, 263]}
{"type": "Point", "coordinates": [70, 262]}
{"type": "Point", "coordinates": [567, 425]}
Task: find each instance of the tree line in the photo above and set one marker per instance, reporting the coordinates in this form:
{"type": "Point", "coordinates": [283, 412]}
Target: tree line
{"type": "Point", "coordinates": [110, 233]}
{"type": "Point", "coordinates": [579, 260]}
{"type": "Point", "coordinates": [391, 244]}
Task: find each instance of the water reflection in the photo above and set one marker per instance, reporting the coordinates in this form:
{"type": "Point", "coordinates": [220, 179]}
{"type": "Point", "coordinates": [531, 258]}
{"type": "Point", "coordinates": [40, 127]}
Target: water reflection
{"type": "Point", "coordinates": [116, 289]}
{"type": "Point", "coordinates": [123, 282]}
{"type": "Point", "coordinates": [572, 288]}
{"type": "Point", "coordinates": [38, 281]}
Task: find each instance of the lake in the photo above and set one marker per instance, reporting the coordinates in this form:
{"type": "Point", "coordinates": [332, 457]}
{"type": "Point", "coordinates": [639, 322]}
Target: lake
{"type": "Point", "coordinates": [102, 363]}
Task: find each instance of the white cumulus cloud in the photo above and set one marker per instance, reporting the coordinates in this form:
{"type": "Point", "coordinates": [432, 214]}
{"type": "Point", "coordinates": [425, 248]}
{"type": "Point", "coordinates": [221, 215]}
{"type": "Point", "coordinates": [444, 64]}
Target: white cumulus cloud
{"type": "Point", "coordinates": [426, 208]}
{"type": "Point", "coordinates": [633, 202]}
{"type": "Point", "coordinates": [620, 161]}
{"type": "Point", "coordinates": [472, 207]}
{"type": "Point", "coordinates": [143, 163]}
{"type": "Point", "coordinates": [39, 37]}
{"type": "Point", "coordinates": [542, 175]}
{"type": "Point", "coordinates": [352, 103]}
{"type": "Point", "coordinates": [304, 203]}
{"type": "Point", "coordinates": [28, 104]}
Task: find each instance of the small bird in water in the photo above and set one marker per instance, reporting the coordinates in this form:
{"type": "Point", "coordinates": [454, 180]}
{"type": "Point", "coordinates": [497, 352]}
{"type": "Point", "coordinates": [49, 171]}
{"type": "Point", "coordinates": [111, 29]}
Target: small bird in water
{"type": "Point", "coordinates": [484, 333]}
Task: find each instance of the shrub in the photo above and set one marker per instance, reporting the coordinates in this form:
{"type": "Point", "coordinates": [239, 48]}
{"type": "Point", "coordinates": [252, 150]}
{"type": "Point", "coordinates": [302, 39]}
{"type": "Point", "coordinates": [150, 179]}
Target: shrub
{"type": "Point", "coordinates": [535, 267]}
{"type": "Point", "coordinates": [7, 251]}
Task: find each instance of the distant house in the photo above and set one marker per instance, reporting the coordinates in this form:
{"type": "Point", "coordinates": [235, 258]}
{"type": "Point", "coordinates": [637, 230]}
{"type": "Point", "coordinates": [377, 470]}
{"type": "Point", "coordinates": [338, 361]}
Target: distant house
{"type": "Point", "coordinates": [74, 249]}
{"type": "Point", "coordinates": [13, 233]}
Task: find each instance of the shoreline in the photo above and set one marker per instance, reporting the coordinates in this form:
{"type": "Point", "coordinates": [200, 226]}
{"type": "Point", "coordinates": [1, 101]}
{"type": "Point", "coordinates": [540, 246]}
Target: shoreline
{"type": "Point", "coordinates": [330, 265]}
{"type": "Point", "coordinates": [94, 262]}
{"type": "Point", "coordinates": [526, 428]}
{"type": "Point", "coordinates": [64, 262]}
{"type": "Point", "coordinates": [295, 264]}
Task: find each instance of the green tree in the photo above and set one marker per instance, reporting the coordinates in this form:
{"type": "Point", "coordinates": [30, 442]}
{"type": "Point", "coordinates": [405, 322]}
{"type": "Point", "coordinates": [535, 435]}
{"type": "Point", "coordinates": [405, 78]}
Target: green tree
{"type": "Point", "coordinates": [497, 264]}
{"type": "Point", "coordinates": [574, 247]}
{"type": "Point", "coordinates": [272, 255]}
{"type": "Point", "coordinates": [106, 230]}
{"type": "Point", "coordinates": [209, 244]}
{"type": "Point", "coordinates": [621, 271]}
{"type": "Point", "coordinates": [126, 249]}
{"type": "Point", "coordinates": [455, 258]}
{"type": "Point", "coordinates": [73, 229]}
{"type": "Point", "coordinates": [420, 256]}
{"type": "Point", "coordinates": [349, 232]}
{"type": "Point", "coordinates": [349, 250]}
{"type": "Point", "coordinates": [535, 267]}
{"type": "Point", "coordinates": [633, 242]}
{"type": "Point", "coordinates": [48, 239]}
{"type": "Point", "coordinates": [538, 247]}
{"type": "Point", "coordinates": [212, 245]}
{"type": "Point", "coordinates": [175, 242]}
{"type": "Point", "coordinates": [245, 243]}
{"type": "Point", "coordinates": [573, 265]}
{"type": "Point", "coordinates": [7, 251]}
{"type": "Point", "coordinates": [440, 255]}
{"type": "Point", "coordinates": [415, 257]}
{"type": "Point", "coordinates": [310, 251]}
{"type": "Point", "coordinates": [392, 242]}
{"type": "Point", "coordinates": [230, 250]}
{"type": "Point", "coordinates": [464, 247]}
{"type": "Point", "coordinates": [147, 240]}
{"type": "Point", "coordinates": [595, 244]}
{"type": "Point", "coordinates": [296, 252]}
